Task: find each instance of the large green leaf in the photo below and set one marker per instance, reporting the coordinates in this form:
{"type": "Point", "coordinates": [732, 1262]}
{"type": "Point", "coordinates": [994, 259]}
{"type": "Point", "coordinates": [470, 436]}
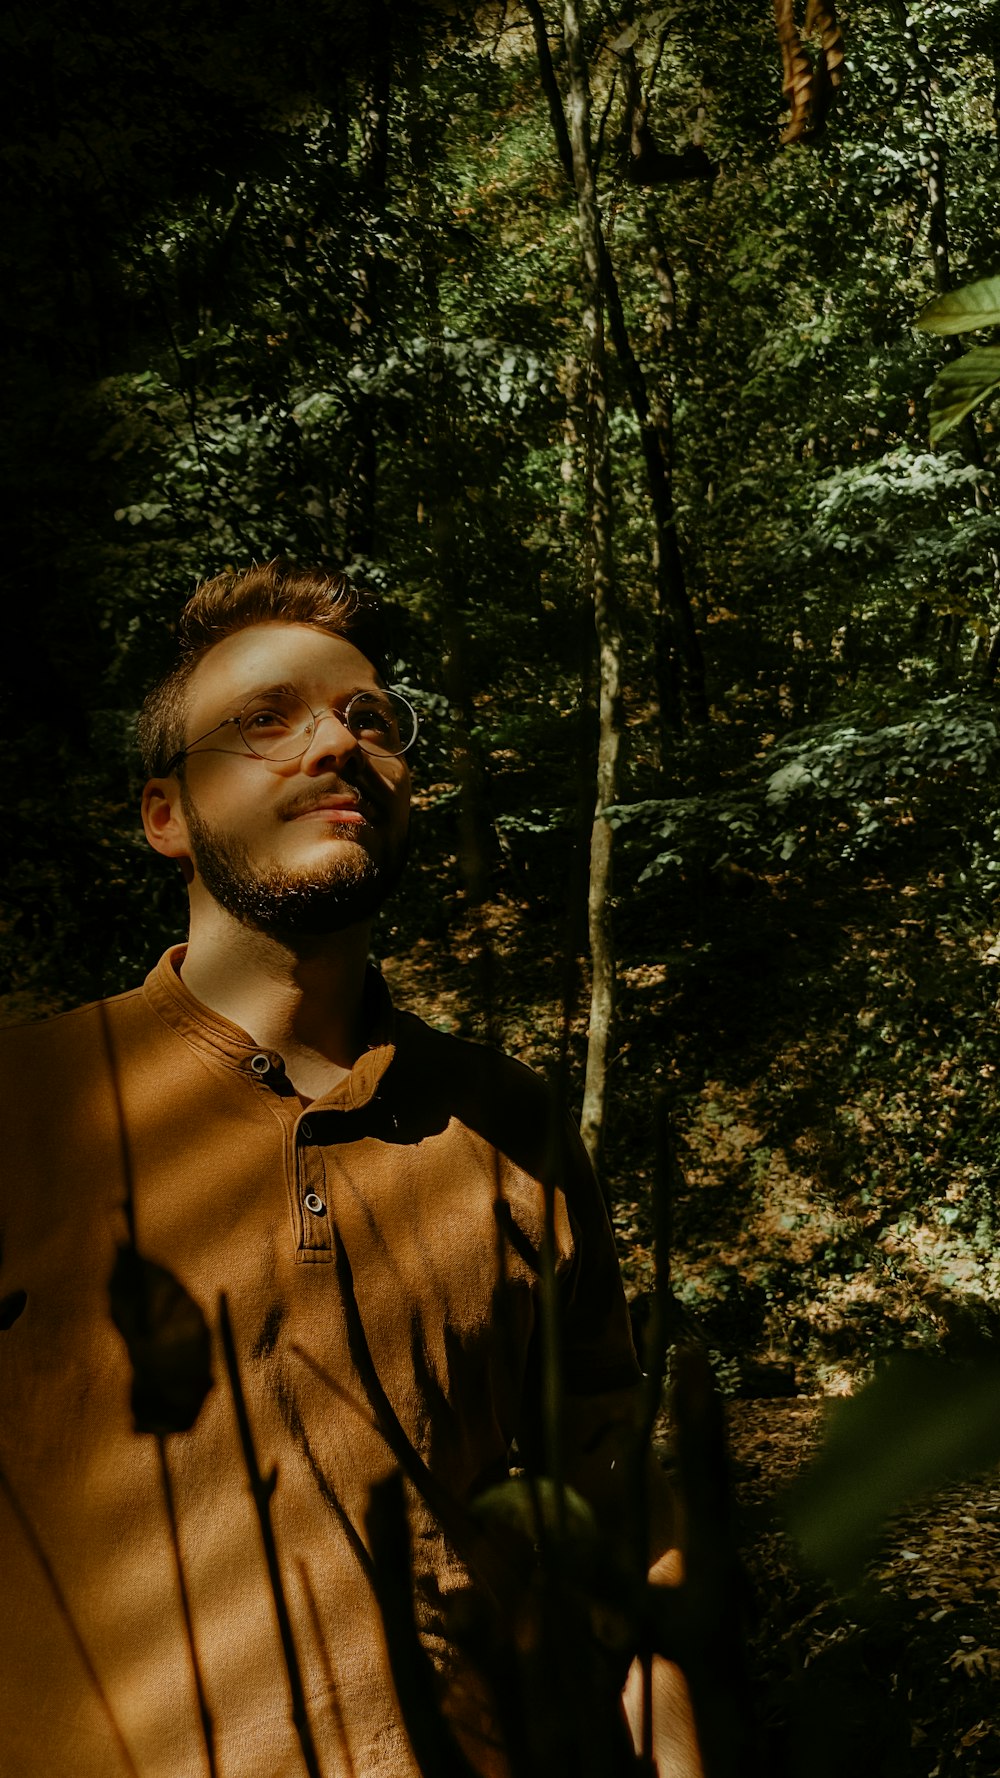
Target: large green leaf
{"type": "Point", "coordinates": [974, 305]}
{"type": "Point", "coordinates": [961, 386]}
{"type": "Point", "coordinates": [920, 1424]}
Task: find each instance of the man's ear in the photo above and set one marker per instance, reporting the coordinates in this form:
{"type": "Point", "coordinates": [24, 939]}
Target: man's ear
{"type": "Point", "coordinates": [163, 818]}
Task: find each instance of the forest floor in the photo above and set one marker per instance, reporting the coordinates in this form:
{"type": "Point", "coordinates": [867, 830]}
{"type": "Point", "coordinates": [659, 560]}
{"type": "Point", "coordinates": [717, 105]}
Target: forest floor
{"type": "Point", "coordinates": [899, 1681]}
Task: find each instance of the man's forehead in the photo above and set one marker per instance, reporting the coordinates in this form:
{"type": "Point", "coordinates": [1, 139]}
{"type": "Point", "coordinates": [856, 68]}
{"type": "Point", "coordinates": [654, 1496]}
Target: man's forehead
{"type": "Point", "coordinates": [272, 654]}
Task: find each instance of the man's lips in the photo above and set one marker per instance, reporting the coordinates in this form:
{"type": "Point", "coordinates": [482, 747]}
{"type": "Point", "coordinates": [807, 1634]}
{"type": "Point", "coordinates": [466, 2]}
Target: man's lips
{"type": "Point", "coordinates": [347, 809]}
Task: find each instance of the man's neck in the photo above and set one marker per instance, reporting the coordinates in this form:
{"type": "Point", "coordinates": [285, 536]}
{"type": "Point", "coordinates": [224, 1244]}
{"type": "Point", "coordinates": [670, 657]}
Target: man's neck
{"type": "Point", "coordinates": [302, 997]}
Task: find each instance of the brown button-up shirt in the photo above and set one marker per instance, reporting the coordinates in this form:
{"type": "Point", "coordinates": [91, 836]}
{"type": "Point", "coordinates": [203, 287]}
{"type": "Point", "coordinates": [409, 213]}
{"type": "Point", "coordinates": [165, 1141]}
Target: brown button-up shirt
{"type": "Point", "coordinates": [401, 1216]}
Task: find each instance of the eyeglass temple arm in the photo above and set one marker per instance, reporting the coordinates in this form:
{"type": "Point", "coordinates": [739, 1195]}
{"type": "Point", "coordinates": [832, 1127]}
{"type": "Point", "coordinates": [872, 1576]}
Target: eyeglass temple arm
{"type": "Point", "coordinates": [182, 751]}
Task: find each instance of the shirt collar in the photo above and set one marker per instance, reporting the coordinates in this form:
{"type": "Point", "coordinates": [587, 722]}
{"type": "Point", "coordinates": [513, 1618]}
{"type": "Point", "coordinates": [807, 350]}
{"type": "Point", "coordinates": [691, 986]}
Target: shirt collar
{"type": "Point", "coordinates": [206, 1030]}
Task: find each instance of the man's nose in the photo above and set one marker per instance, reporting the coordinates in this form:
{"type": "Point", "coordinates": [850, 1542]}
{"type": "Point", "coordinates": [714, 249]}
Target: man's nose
{"type": "Point", "coordinates": [331, 739]}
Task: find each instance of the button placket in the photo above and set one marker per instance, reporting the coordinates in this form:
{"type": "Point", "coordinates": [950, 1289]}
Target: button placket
{"type": "Point", "coordinates": [317, 1233]}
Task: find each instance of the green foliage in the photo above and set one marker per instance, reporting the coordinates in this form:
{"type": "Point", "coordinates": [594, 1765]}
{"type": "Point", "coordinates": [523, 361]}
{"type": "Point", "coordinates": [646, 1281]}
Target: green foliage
{"type": "Point", "coordinates": [919, 1424]}
{"type": "Point", "coordinates": [960, 311]}
{"type": "Point", "coordinates": [840, 789]}
{"type": "Point", "coordinates": [967, 381]}
{"type": "Point", "coordinates": [961, 387]}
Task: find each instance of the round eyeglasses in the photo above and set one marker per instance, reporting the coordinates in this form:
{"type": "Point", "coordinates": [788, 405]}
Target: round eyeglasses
{"type": "Point", "coordinates": [280, 725]}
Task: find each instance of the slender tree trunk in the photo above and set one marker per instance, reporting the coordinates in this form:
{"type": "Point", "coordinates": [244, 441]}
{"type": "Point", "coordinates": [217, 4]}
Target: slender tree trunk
{"type": "Point", "coordinates": [665, 663]}
{"type": "Point", "coordinates": [932, 150]}
{"type": "Point", "coordinates": [443, 459]}
{"type": "Point", "coordinates": [677, 620]}
{"type": "Point", "coordinates": [601, 567]}
{"type": "Point", "coordinates": [995, 58]}
{"type": "Point", "coordinates": [367, 318]}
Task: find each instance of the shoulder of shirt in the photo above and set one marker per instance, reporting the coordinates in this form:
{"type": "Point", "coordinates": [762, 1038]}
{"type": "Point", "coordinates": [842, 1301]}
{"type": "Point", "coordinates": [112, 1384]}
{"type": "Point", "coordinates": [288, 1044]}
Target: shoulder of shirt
{"type": "Point", "coordinates": [513, 1105]}
{"type": "Point", "coordinates": [69, 1028]}
{"type": "Point", "coordinates": [496, 1097]}
{"type": "Point", "coordinates": [463, 1056]}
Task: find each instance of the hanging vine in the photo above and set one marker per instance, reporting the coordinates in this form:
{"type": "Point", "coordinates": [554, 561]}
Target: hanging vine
{"type": "Point", "coordinates": [810, 80]}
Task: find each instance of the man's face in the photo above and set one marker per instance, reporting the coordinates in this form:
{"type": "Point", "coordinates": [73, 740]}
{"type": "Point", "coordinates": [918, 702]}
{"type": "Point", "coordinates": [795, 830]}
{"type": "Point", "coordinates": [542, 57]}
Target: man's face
{"type": "Point", "coordinates": [302, 846]}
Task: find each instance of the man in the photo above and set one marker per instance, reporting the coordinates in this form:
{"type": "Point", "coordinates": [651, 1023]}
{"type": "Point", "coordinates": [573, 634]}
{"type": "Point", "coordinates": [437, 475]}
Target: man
{"type": "Point", "coordinates": [376, 1202]}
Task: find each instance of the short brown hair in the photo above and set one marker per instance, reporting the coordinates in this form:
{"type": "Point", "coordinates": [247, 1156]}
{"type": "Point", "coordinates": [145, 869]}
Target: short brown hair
{"type": "Point", "coordinates": [274, 593]}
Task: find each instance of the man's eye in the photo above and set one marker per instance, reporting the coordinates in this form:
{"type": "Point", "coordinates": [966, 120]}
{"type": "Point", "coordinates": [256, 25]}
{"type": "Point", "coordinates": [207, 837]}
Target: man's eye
{"type": "Point", "coordinates": [266, 721]}
{"type": "Point", "coordinates": [372, 719]}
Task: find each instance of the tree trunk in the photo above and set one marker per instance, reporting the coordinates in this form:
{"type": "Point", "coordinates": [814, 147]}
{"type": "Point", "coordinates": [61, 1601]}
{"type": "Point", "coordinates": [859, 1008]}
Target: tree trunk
{"type": "Point", "coordinates": [994, 30]}
{"type": "Point", "coordinates": [665, 662]}
{"type": "Point", "coordinates": [680, 639]}
{"type": "Point", "coordinates": [932, 151]}
{"type": "Point", "coordinates": [366, 320]}
{"type": "Point", "coordinates": [601, 573]}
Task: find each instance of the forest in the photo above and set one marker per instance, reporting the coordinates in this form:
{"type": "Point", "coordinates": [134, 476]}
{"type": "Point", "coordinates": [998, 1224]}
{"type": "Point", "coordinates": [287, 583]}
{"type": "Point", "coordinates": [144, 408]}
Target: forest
{"type": "Point", "coordinates": [641, 356]}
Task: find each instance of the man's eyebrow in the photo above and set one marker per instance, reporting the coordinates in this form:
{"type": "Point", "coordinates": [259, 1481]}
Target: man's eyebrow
{"type": "Point", "coordinates": [266, 691]}
{"type": "Point", "coordinates": [239, 699]}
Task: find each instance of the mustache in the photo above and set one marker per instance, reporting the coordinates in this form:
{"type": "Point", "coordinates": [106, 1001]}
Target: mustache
{"type": "Point", "coordinates": [319, 794]}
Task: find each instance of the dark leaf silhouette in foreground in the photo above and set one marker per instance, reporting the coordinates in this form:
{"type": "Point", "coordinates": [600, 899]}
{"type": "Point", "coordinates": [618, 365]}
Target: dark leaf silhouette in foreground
{"type": "Point", "coordinates": [168, 1343]}
{"type": "Point", "coordinates": [12, 1307]}
{"type": "Point", "coordinates": [552, 1683]}
{"type": "Point", "coordinates": [921, 1423]}
{"type": "Point", "coordinates": [261, 1489]}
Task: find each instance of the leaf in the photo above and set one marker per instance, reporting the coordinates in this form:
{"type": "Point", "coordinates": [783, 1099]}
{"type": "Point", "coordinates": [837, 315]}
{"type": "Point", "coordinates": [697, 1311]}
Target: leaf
{"type": "Point", "coordinates": [961, 386]}
{"type": "Point", "coordinates": [518, 1512]}
{"type": "Point", "coordinates": [168, 1343]}
{"type": "Point", "coordinates": [958, 311]}
{"type": "Point", "coordinates": [920, 1424]}
{"type": "Point", "coordinates": [976, 1663]}
{"type": "Point", "coordinates": [787, 780]}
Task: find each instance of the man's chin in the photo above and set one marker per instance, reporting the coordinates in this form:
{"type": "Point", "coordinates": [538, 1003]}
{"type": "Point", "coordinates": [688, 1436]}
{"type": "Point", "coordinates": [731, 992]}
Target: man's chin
{"type": "Point", "coordinates": [338, 885]}
{"type": "Point", "coordinates": [310, 904]}
{"type": "Point", "coordinates": [338, 892]}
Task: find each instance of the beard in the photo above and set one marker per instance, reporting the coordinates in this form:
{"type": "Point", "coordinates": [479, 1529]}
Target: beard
{"type": "Point", "coordinates": [349, 887]}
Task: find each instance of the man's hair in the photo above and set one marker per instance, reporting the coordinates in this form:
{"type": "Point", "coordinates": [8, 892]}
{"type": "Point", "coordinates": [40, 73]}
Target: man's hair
{"type": "Point", "coordinates": [274, 593]}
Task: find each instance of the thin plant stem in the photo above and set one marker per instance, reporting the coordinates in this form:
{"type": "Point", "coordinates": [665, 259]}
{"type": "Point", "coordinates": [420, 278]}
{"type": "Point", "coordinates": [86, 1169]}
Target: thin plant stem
{"type": "Point", "coordinates": [552, 1391]}
{"type": "Point", "coordinates": [646, 1739]}
{"type": "Point", "coordinates": [470, 1541]}
{"type": "Point", "coordinates": [203, 1709]}
{"type": "Point", "coordinates": [658, 1337]}
{"type": "Point", "coordinates": [123, 1143]}
{"type": "Point", "coordinates": [346, 1764]}
{"type": "Point", "coordinates": [62, 1606]}
{"type": "Point", "coordinates": [261, 1489]}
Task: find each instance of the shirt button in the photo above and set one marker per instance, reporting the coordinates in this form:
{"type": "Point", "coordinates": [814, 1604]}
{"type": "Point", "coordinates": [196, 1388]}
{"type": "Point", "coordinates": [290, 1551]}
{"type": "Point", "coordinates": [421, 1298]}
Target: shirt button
{"type": "Point", "coordinates": [305, 1130]}
{"type": "Point", "coordinates": [315, 1204]}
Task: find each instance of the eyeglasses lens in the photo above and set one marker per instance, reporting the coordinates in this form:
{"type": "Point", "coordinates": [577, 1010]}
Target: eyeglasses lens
{"type": "Point", "coordinates": [280, 726]}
